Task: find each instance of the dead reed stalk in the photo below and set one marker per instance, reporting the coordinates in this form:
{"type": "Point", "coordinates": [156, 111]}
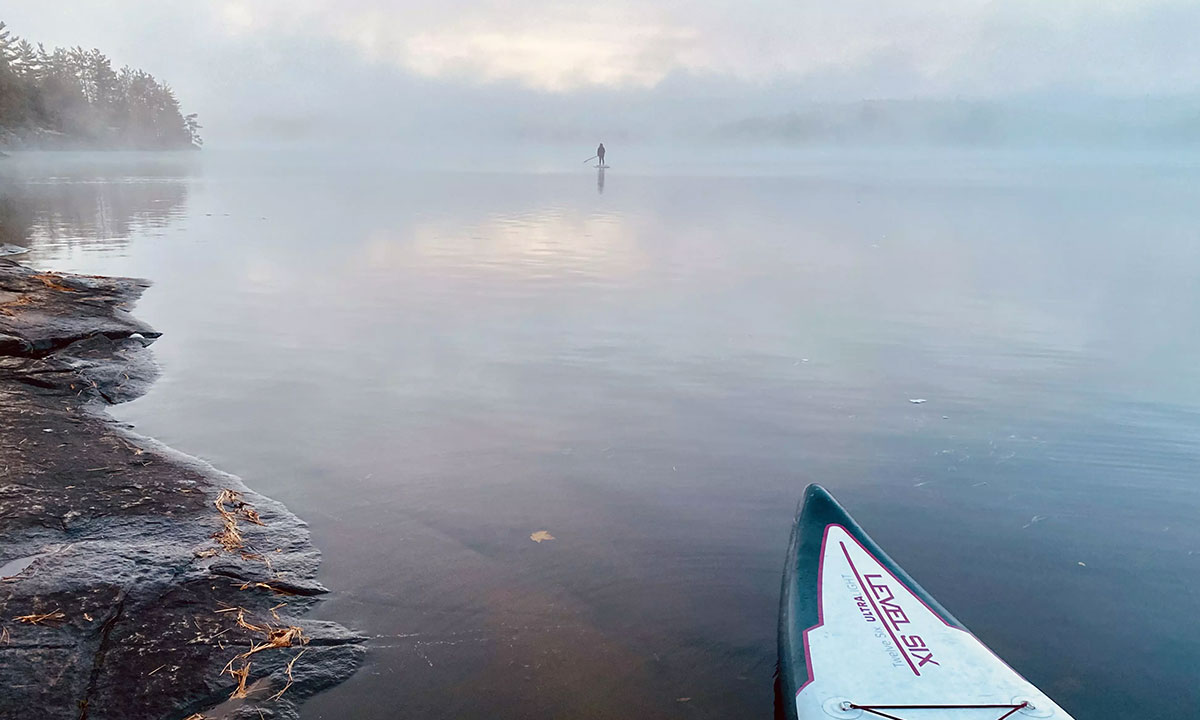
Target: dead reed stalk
{"type": "Point", "coordinates": [42, 619]}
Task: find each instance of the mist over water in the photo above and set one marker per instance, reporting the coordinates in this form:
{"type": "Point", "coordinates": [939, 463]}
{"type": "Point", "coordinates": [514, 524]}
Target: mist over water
{"type": "Point", "coordinates": [430, 356]}
{"type": "Point", "coordinates": [942, 257]}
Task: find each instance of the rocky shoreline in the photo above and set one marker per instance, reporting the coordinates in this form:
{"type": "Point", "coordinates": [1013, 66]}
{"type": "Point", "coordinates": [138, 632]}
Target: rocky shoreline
{"type": "Point", "coordinates": [33, 139]}
{"type": "Point", "coordinates": [135, 581]}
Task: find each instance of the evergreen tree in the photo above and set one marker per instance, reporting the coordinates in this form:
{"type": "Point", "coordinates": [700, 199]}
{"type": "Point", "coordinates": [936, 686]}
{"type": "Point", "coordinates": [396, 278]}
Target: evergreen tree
{"type": "Point", "coordinates": [75, 95]}
{"type": "Point", "coordinates": [5, 42]}
{"type": "Point", "coordinates": [25, 60]}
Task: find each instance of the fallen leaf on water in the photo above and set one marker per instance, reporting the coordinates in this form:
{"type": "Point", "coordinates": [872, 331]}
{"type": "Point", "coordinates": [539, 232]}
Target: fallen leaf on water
{"type": "Point", "coordinates": [541, 535]}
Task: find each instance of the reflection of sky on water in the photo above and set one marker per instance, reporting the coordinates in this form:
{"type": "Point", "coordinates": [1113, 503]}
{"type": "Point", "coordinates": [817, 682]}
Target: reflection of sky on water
{"type": "Point", "coordinates": [532, 245]}
{"type": "Point", "coordinates": [429, 366]}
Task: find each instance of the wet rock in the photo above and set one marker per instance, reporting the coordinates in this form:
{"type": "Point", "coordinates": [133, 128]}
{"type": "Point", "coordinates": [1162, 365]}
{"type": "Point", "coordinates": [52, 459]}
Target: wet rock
{"type": "Point", "coordinates": [48, 311]}
{"type": "Point", "coordinates": [115, 532]}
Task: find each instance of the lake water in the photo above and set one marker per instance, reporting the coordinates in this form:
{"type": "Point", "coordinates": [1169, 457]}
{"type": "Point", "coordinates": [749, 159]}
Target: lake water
{"type": "Point", "coordinates": [430, 365]}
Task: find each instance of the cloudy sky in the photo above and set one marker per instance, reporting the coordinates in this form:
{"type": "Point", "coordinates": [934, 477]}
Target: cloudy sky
{"type": "Point", "coordinates": [295, 67]}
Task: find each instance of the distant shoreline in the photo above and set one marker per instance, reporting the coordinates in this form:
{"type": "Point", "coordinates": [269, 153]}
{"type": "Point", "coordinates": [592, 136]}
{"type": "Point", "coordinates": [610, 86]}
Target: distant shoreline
{"type": "Point", "coordinates": [45, 140]}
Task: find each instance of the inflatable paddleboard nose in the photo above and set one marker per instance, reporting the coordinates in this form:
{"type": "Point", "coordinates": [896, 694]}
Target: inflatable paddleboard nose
{"type": "Point", "coordinates": [859, 637]}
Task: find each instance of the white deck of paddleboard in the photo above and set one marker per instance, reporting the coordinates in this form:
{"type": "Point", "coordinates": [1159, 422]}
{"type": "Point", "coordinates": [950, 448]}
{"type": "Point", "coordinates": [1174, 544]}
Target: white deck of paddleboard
{"type": "Point", "coordinates": [878, 644]}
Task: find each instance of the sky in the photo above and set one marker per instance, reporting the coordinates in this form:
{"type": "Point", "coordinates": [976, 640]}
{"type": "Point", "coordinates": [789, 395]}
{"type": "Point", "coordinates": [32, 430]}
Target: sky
{"type": "Point", "coordinates": [566, 69]}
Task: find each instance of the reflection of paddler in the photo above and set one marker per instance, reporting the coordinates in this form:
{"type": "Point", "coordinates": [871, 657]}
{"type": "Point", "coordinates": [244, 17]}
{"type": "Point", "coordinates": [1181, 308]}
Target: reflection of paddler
{"type": "Point", "coordinates": [600, 153]}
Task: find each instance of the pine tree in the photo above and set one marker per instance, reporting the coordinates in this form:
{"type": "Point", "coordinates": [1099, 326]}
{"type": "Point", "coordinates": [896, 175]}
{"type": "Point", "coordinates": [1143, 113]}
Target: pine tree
{"type": "Point", "coordinates": [77, 94]}
{"type": "Point", "coordinates": [25, 60]}
{"type": "Point", "coordinates": [5, 41]}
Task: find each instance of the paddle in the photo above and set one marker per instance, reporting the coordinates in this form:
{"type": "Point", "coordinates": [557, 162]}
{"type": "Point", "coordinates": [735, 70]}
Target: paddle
{"type": "Point", "coordinates": [592, 158]}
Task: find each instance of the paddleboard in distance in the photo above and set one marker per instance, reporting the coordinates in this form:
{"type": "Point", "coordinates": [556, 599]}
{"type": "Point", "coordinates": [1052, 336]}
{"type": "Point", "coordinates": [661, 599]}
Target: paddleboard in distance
{"type": "Point", "coordinates": [602, 167]}
{"type": "Point", "coordinates": [859, 638]}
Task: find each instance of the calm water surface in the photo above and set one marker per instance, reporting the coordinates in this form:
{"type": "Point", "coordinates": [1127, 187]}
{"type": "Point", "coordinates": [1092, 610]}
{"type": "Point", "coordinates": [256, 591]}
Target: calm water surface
{"type": "Point", "coordinates": [429, 366]}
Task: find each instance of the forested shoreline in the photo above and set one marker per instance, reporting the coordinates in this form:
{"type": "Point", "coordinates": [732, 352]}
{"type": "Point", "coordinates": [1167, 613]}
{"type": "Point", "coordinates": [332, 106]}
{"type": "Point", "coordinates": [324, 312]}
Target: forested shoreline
{"type": "Point", "coordinates": [71, 98]}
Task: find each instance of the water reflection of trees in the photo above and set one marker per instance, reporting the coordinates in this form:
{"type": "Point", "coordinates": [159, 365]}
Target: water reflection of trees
{"type": "Point", "coordinates": [87, 207]}
{"type": "Point", "coordinates": [16, 218]}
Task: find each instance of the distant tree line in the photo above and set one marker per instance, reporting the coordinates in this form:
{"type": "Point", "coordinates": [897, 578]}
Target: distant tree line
{"type": "Point", "coordinates": [71, 97]}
